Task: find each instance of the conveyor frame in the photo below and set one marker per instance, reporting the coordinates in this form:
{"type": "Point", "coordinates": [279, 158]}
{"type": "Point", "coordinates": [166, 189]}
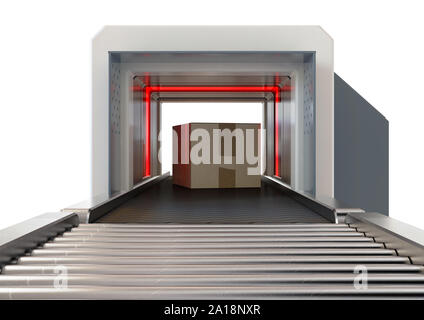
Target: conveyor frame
{"type": "Point", "coordinates": [210, 261]}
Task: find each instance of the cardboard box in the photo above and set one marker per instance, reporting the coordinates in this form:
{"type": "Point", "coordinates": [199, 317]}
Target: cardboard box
{"type": "Point", "coordinates": [215, 155]}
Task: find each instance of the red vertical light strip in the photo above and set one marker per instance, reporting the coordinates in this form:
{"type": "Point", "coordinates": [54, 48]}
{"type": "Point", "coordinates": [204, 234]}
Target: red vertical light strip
{"type": "Point", "coordinates": [276, 136]}
{"type": "Point", "coordinates": [147, 141]}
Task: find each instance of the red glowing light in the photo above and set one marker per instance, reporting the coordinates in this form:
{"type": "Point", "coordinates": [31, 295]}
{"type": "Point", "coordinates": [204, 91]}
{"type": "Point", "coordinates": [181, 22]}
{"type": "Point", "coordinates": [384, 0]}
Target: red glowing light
{"type": "Point", "coordinates": [147, 141]}
{"type": "Point", "coordinates": [276, 138]}
{"type": "Point", "coordinates": [277, 127]}
{"type": "Point", "coordinates": [149, 90]}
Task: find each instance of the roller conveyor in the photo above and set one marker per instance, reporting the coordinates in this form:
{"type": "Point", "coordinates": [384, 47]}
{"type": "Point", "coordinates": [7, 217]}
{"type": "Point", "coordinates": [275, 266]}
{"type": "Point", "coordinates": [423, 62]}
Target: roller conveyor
{"type": "Point", "coordinates": [310, 231]}
{"type": "Point", "coordinates": [189, 262]}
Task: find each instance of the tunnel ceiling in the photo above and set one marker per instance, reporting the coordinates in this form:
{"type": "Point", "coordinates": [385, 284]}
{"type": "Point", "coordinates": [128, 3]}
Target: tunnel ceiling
{"type": "Point", "coordinates": [211, 68]}
{"type": "Point", "coordinates": [210, 79]}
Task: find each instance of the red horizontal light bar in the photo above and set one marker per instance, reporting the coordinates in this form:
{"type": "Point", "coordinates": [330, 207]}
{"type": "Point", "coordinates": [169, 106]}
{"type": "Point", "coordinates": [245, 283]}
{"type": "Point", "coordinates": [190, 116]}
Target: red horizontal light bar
{"type": "Point", "coordinates": [212, 89]}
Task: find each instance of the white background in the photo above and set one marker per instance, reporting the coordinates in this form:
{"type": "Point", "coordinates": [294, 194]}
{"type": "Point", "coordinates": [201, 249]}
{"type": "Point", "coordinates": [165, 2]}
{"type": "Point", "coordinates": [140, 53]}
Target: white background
{"type": "Point", "coordinates": [177, 113]}
{"type": "Point", "coordinates": [45, 84]}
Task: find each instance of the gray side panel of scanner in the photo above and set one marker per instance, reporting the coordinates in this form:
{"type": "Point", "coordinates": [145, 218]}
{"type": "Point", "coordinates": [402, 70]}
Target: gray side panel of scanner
{"type": "Point", "coordinates": [361, 151]}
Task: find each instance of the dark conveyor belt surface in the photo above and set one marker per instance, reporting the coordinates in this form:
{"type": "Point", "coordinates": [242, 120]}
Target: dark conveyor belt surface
{"type": "Point", "coordinates": [186, 261]}
{"type": "Point", "coordinates": [166, 203]}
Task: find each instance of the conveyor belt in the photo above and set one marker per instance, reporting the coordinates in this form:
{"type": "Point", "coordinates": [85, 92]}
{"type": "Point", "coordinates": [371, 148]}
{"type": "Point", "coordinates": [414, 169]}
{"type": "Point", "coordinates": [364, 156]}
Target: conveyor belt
{"type": "Point", "coordinates": [163, 261]}
{"type": "Point", "coordinates": [167, 203]}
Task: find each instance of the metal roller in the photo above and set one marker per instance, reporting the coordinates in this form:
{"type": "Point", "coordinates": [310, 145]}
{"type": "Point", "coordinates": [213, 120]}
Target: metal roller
{"type": "Point", "coordinates": [210, 293]}
{"type": "Point", "coordinates": [217, 245]}
{"type": "Point", "coordinates": [194, 269]}
{"type": "Point", "coordinates": [209, 230]}
{"type": "Point", "coordinates": [206, 226]}
{"type": "Point", "coordinates": [106, 239]}
{"type": "Point", "coordinates": [171, 251]}
{"type": "Point", "coordinates": [250, 234]}
{"type": "Point", "coordinates": [203, 280]}
{"type": "Point", "coordinates": [213, 260]}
